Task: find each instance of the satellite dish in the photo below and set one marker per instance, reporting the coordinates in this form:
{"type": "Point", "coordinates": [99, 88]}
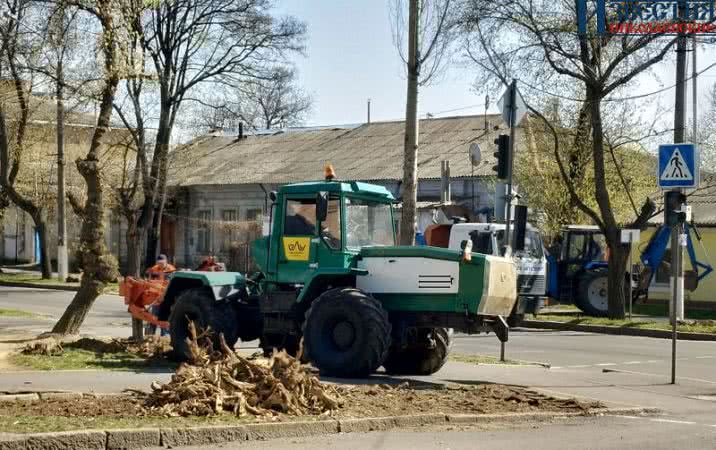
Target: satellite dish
{"type": "Point", "coordinates": [475, 153]}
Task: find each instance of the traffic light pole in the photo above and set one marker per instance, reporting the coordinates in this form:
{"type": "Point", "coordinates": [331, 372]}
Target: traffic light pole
{"type": "Point", "coordinates": [508, 194]}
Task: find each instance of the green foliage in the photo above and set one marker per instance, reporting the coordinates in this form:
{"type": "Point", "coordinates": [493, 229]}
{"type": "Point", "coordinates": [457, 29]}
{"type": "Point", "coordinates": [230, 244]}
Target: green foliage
{"type": "Point", "coordinates": [544, 189]}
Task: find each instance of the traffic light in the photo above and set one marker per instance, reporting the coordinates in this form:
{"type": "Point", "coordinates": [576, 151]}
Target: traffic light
{"type": "Point", "coordinates": [674, 214]}
{"type": "Point", "coordinates": [503, 156]}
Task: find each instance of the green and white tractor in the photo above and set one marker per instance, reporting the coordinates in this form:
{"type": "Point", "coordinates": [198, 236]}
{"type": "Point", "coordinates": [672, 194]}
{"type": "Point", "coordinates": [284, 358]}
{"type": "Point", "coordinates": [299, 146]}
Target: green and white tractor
{"type": "Point", "coordinates": [330, 272]}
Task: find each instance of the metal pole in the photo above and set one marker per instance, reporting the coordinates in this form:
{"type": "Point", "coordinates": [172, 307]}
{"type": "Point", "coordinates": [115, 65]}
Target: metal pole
{"type": "Point", "coordinates": [631, 280]}
{"type": "Point", "coordinates": [508, 195]}
{"type": "Point", "coordinates": [62, 263]}
{"type": "Point", "coordinates": [502, 351]}
{"type": "Point", "coordinates": [679, 127]}
{"type": "Point", "coordinates": [694, 97]}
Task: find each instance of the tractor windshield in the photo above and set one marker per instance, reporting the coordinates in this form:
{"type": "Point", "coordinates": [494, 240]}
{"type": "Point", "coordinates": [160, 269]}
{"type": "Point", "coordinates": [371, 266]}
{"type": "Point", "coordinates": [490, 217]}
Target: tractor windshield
{"type": "Point", "coordinates": [368, 223]}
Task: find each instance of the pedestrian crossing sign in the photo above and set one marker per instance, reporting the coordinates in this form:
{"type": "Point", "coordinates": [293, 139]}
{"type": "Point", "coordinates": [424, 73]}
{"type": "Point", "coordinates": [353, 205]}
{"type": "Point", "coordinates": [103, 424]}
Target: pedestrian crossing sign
{"type": "Point", "coordinates": [678, 166]}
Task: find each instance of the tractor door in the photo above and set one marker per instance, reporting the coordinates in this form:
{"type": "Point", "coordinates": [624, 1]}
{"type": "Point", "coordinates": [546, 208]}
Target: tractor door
{"type": "Point", "coordinates": [297, 248]}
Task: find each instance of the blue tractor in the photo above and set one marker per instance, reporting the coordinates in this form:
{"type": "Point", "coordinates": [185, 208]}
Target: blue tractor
{"type": "Point", "coordinates": [577, 267]}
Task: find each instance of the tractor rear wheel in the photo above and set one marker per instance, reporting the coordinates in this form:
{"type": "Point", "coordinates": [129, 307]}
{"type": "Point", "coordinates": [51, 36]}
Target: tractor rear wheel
{"type": "Point", "coordinates": [592, 293]}
{"type": "Point", "coordinates": [424, 357]}
{"type": "Point", "coordinates": [198, 306]}
{"type": "Point", "coordinates": [346, 333]}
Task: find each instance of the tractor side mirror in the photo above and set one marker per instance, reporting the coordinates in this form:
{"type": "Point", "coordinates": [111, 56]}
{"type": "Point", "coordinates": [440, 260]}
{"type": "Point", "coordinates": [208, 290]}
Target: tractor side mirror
{"type": "Point", "coordinates": [273, 196]}
{"type": "Point", "coordinates": [321, 206]}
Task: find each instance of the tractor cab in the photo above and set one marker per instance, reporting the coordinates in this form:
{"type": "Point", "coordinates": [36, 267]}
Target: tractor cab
{"type": "Point", "coordinates": [322, 226]}
{"type": "Point", "coordinates": [577, 268]}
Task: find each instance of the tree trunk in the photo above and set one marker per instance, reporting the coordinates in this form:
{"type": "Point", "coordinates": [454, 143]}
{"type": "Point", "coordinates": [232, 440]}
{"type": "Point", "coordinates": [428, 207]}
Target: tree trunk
{"type": "Point", "coordinates": [618, 290]}
{"type": "Point", "coordinates": [609, 226]}
{"type": "Point", "coordinates": [410, 149]}
{"type": "Point", "coordinates": [98, 266]}
{"type": "Point", "coordinates": [134, 249]}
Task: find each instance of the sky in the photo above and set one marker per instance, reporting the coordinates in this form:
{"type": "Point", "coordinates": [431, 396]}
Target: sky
{"type": "Point", "coordinates": [350, 57]}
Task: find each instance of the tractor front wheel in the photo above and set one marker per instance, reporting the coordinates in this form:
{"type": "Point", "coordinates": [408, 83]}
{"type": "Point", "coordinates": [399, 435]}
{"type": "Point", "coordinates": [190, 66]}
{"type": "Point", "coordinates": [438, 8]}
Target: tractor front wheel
{"type": "Point", "coordinates": [424, 357]}
{"type": "Point", "coordinates": [346, 333]}
{"type": "Point", "coordinates": [197, 305]}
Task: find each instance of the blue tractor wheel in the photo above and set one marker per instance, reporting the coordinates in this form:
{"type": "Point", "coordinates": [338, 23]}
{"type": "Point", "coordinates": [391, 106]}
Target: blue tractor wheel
{"type": "Point", "coordinates": [592, 291]}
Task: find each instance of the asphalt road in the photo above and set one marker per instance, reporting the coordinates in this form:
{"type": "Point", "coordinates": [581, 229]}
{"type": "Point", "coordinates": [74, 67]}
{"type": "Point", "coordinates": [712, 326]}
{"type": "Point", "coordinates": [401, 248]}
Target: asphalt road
{"type": "Point", "coordinates": [617, 370]}
{"type": "Point", "coordinates": [604, 433]}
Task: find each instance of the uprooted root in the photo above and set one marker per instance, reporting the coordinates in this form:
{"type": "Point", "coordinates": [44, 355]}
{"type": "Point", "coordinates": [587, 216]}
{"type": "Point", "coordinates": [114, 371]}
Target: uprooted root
{"type": "Point", "coordinates": [217, 381]}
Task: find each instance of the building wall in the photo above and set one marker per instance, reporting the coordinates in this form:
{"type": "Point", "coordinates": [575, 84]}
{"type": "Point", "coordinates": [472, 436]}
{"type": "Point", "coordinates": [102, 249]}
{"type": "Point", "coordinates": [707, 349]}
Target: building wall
{"type": "Point", "coordinates": [193, 240]}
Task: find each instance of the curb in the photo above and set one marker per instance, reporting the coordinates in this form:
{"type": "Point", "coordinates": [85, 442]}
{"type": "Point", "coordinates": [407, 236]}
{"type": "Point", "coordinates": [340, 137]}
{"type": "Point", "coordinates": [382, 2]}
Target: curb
{"type": "Point", "coordinates": [138, 438]}
{"type": "Point", "coordinates": [622, 331]}
{"type": "Point", "coordinates": [55, 287]}
{"type": "Point", "coordinates": [49, 287]}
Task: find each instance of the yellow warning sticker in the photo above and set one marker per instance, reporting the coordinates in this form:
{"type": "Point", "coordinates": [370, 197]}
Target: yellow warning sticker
{"type": "Point", "coordinates": [297, 248]}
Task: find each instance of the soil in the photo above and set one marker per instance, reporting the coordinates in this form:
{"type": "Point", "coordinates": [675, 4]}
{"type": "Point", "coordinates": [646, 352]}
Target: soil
{"type": "Point", "coordinates": [357, 401]}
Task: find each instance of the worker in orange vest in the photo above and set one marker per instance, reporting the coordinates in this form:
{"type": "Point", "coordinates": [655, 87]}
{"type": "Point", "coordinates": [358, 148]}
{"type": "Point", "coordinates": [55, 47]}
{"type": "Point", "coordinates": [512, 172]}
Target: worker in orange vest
{"type": "Point", "coordinates": [159, 270]}
{"type": "Point", "coordinates": [161, 267]}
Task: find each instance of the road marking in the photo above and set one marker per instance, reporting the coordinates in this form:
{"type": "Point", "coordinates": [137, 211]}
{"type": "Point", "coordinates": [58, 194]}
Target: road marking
{"type": "Point", "coordinates": [682, 422]}
{"type": "Point", "coordinates": [632, 362]}
{"type": "Point", "coordinates": [698, 380]}
{"type": "Point", "coordinates": [606, 364]}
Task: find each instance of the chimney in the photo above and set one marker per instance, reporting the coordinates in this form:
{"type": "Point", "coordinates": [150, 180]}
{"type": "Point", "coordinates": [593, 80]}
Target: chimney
{"type": "Point", "coordinates": [368, 111]}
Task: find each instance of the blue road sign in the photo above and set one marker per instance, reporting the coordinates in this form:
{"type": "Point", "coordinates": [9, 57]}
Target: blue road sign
{"type": "Point", "coordinates": [678, 166]}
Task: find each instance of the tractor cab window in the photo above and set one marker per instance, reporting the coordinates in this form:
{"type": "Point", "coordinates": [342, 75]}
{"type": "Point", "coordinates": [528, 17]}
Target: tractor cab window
{"type": "Point", "coordinates": [331, 227]}
{"type": "Point", "coordinates": [368, 224]}
{"type": "Point", "coordinates": [481, 242]}
{"type": "Point", "coordinates": [300, 217]}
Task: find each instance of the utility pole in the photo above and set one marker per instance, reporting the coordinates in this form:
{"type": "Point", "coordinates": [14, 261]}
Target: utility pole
{"type": "Point", "coordinates": [677, 278]}
{"type": "Point", "coordinates": [694, 98]}
{"type": "Point", "coordinates": [62, 269]}
{"type": "Point", "coordinates": [368, 111]}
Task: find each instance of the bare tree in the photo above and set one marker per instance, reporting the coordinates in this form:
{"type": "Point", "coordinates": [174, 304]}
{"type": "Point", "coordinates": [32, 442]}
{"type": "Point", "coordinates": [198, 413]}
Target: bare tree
{"type": "Point", "coordinates": [98, 266]}
{"type": "Point", "coordinates": [18, 49]}
{"type": "Point", "coordinates": [274, 101]}
{"type": "Point", "coordinates": [189, 43]}
{"type": "Point", "coordinates": [430, 24]}
{"type": "Point", "coordinates": [540, 41]}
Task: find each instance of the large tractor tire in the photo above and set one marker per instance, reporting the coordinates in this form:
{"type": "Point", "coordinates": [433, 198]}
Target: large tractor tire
{"type": "Point", "coordinates": [425, 357]}
{"type": "Point", "coordinates": [346, 333]}
{"type": "Point", "coordinates": [198, 306]}
{"type": "Point", "coordinates": [592, 292]}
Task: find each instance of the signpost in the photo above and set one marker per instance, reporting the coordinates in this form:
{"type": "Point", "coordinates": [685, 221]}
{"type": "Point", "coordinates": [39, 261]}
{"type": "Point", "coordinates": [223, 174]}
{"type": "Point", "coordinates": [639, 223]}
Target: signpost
{"type": "Point", "coordinates": [678, 169]}
{"type": "Point", "coordinates": [513, 110]}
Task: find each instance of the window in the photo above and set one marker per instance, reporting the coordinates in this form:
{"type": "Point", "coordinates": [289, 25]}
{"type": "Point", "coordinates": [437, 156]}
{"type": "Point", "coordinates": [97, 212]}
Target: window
{"type": "Point", "coordinates": [331, 227]}
{"type": "Point", "coordinates": [254, 214]}
{"type": "Point", "coordinates": [300, 218]}
{"type": "Point", "coordinates": [368, 223]}
{"type": "Point", "coordinates": [481, 242]}
{"type": "Point", "coordinates": [228, 228]}
{"type": "Point", "coordinates": [203, 237]}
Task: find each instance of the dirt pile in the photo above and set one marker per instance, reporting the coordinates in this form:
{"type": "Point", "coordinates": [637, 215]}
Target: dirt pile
{"type": "Point", "coordinates": [223, 381]}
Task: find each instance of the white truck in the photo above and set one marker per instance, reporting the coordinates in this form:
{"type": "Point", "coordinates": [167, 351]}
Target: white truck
{"type": "Point", "coordinates": [488, 239]}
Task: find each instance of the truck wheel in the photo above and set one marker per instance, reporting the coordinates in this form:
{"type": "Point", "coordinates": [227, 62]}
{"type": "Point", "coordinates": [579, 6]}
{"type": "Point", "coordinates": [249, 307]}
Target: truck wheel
{"type": "Point", "coordinates": [198, 306]}
{"type": "Point", "coordinates": [346, 333]}
{"type": "Point", "coordinates": [424, 357]}
{"type": "Point", "coordinates": [592, 298]}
